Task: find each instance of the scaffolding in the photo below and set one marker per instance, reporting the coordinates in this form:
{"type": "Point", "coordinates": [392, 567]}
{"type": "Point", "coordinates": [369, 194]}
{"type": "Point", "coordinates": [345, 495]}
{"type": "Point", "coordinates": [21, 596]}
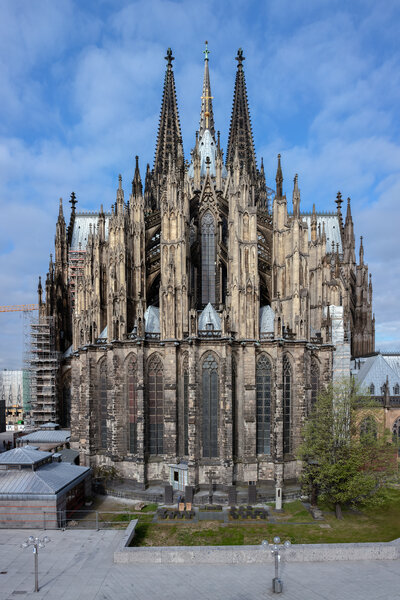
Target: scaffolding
{"type": "Point", "coordinates": [43, 368]}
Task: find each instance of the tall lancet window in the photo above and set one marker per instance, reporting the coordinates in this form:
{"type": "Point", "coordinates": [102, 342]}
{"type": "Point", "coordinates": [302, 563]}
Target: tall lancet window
{"type": "Point", "coordinates": [314, 382]}
{"type": "Point", "coordinates": [131, 400]}
{"type": "Point", "coordinates": [263, 383]}
{"type": "Point", "coordinates": [287, 406]}
{"type": "Point", "coordinates": [155, 406]}
{"type": "Point", "coordinates": [210, 406]}
{"type": "Point", "coordinates": [208, 259]}
{"type": "Point", "coordinates": [102, 399]}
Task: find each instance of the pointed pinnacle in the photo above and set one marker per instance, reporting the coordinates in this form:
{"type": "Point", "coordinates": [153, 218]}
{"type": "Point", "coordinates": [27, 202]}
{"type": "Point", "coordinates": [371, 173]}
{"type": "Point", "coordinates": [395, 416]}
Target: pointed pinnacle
{"type": "Point", "coordinates": [279, 178]}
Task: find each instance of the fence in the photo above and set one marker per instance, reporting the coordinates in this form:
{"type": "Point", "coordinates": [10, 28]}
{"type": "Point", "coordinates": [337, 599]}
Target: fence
{"type": "Point", "coordinates": [74, 519]}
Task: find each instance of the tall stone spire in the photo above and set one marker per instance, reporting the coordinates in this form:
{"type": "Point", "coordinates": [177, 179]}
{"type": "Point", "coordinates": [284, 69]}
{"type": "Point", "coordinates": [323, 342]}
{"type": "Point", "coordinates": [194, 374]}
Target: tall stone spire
{"type": "Point", "coordinates": [206, 114]}
{"type": "Point", "coordinates": [169, 130]}
{"type": "Point", "coordinates": [137, 181]}
{"type": "Point", "coordinates": [279, 179]}
{"type": "Point", "coordinates": [240, 133]}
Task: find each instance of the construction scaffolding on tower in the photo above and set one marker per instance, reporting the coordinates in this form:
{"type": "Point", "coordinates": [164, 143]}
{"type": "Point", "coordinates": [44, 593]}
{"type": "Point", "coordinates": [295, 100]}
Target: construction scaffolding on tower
{"type": "Point", "coordinates": [43, 363]}
{"type": "Point", "coordinates": [76, 260]}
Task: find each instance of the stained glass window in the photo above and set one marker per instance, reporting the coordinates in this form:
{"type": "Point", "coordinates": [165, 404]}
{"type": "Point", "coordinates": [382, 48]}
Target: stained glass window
{"type": "Point", "coordinates": [155, 406]}
{"type": "Point", "coordinates": [263, 403]}
{"type": "Point", "coordinates": [210, 406]}
{"type": "Point", "coordinates": [287, 402]}
{"type": "Point", "coordinates": [208, 259]}
{"type": "Point", "coordinates": [314, 382]}
{"type": "Point", "coordinates": [102, 379]}
{"type": "Point", "coordinates": [131, 397]}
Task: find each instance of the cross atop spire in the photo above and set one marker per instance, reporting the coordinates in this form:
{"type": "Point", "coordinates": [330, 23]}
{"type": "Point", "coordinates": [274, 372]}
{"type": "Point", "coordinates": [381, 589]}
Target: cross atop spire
{"type": "Point", "coordinates": [206, 52]}
{"type": "Point", "coordinates": [169, 58]}
{"type": "Point", "coordinates": [240, 58]}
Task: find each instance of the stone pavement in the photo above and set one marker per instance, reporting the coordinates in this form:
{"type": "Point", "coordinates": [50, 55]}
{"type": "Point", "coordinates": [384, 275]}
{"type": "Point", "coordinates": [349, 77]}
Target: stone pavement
{"type": "Point", "coordinates": [78, 565]}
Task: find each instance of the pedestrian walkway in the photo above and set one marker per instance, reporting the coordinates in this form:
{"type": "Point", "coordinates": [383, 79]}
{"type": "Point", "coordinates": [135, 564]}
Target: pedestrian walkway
{"type": "Point", "coordinates": [78, 565]}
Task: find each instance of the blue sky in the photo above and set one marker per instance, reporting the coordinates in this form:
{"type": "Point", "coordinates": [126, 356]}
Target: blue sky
{"type": "Point", "coordinates": [80, 93]}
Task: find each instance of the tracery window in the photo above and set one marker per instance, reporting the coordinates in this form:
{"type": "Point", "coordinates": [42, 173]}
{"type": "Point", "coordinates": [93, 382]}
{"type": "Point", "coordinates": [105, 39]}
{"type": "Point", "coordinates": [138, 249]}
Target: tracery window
{"type": "Point", "coordinates": [208, 258]}
{"type": "Point", "coordinates": [263, 404]}
{"type": "Point", "coordinates": [396, 433]}
{"type": "Point", "coordinates": [287, 405]}
{"type": "Point", "coordinates": [368, 428]}
{"type": "Point", "coordinates": [102, 398]}
{"type": "Point", "coordinates": [314, 382]}
{"type": "Point", "coordinates": [185, 408]}
{"type": "Point", "coordinates": [234, 410]}
{"type": "Point", "coordinates": [155, 406]}
{"type": "Point", "coordinates": [131, 400]}
{"type": "Point", "coordinates": [210, 406]}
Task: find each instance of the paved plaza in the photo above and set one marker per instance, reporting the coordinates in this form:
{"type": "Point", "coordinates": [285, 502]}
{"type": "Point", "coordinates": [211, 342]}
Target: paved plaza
{"type": "Point", "coordinates": [78, 565]}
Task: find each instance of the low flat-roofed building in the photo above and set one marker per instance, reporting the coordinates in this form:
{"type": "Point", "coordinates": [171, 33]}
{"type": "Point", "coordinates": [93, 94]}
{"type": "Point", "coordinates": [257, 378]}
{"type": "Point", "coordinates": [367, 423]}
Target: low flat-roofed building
{"type": "Point", "coordinates": [38, 491]}
{"type": "Point", "coordinates": [46, 438]}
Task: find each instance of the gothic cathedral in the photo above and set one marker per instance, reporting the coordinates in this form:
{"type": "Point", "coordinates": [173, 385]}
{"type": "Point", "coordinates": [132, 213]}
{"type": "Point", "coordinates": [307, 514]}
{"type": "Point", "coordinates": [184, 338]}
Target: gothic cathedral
{"type": "Point", "coordinates": [194, 319]}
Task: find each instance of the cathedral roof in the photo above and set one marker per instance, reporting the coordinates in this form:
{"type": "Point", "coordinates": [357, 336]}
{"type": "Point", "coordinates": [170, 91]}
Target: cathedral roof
{"type": "Point", "coordinates": [81, 228]}
{"type": "Point", "coordinates": [209, 316]}
{"type": "Point", "coordinates": [376, 370]}
{"type": "Point", "coordinates": [332, 229]}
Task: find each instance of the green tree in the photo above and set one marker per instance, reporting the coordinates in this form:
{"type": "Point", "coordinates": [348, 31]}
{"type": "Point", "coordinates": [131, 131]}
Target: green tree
{"type": "Point", "coordinates": [340, 464]}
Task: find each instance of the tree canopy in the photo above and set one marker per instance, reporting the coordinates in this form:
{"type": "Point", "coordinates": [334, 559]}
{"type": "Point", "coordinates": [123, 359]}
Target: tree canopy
{"type": "Point", "coordinates": [347, 455]}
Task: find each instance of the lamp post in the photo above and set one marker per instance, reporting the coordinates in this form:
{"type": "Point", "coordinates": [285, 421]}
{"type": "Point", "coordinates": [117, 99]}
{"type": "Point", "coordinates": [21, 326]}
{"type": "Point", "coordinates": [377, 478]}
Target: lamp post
{"type": "Point", "coordinates": [36, 543]}
{"type": "Point", "coordinates": [276, 548]}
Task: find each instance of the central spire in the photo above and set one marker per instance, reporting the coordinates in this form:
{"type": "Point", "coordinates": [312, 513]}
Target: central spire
{"type": "Point", "coordinates": [206, 114]}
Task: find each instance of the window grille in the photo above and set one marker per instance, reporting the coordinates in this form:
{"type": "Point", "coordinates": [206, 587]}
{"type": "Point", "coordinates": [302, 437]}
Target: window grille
{"type": "Point", "coordinates": [208, 259]}
{"type": "Point", "coordinates": [210, 406]}
{"type": "Point", "coordinates": [155, 407]}
{"type": "Point", "coordinates": [287, 405]}
{"type": "Point", "coordinates": [263, 402]}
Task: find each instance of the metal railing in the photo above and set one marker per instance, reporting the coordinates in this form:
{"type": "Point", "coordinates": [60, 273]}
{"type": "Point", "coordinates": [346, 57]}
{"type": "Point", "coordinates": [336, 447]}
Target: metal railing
{"type": "Point", "coordinates": [62, 519]}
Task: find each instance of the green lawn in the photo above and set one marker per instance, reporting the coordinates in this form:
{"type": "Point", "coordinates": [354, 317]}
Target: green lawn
{"type": "Point", "coordinates": [366, 525]}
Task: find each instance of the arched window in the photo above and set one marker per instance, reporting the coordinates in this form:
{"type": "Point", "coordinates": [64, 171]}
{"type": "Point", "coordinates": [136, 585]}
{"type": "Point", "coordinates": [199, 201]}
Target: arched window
{"type": "Point", "coordinates": [208, 259]}
{"type": "Point", "coordinates": [234, 410]}
{"type": "Point", "coordinates": [263, 403]}
{"type": "Point", "coordinates": [314, 382]}
{"type": "Point", "coordinates": [368, 428]}
{"type": "Point", "coordinates": [185, 368]}
{"type": "Point", "coordinates": [287, 405]}
{"type": "Point", "coordinates": [155, 406]}
{"type": "Point", "coordinates": [131, 402]}
{"type": "Point", "coordinates": [396, 390]}
{"type": "Point", "coordinates": [210, 406]}
{"type": "Point", "coordinates": [372, 389]}
{"type": "Point", "coordinates": [102, 398]}
{"type": "Point", "coordinates": [396, 433]}
{"type": "Point", "coordinates": [66, 403]}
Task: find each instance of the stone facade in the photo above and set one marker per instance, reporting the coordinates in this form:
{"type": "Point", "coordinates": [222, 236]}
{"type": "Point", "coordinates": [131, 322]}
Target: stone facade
{"type": "Point", "coordinates": [195, 317]}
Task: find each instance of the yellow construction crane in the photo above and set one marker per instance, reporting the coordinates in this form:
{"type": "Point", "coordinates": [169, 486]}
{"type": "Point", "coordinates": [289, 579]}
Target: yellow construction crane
{"type": "Point", "coordinates": [19, 307]}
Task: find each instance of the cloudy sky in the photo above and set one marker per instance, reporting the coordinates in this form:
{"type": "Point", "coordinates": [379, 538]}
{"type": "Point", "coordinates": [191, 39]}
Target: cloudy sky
{"type": "Point", "coordinates": [80, 93]}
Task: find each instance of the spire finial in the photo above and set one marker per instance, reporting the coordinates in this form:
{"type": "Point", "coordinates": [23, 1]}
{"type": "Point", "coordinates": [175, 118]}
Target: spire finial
{"type": "Point", "coordinates": [73, 201]}
{"type": "Point", "coordinates": [120, 181]}
{"type": "Point", "coordinates": [240, 58]}
{"type": "Point", "coordinates": [279, 179]}
{"type": "Point", "coordinates": [169, 58]}
{"type": "Point", "coordinates": [206, 52]}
